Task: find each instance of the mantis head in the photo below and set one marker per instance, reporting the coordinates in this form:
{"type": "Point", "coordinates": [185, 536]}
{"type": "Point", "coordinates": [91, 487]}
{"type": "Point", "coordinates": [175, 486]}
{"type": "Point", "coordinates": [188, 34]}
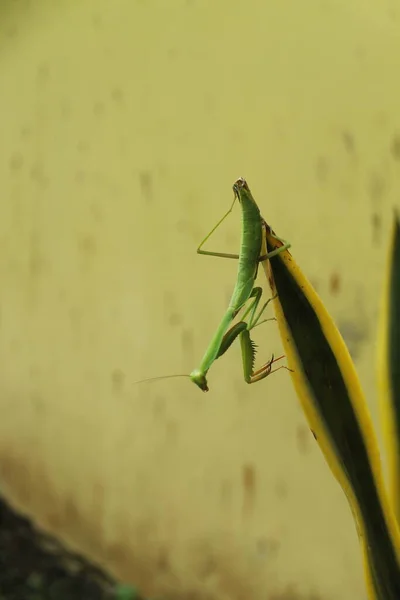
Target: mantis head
{"type": "Point", "coordinates": [240, 185]}
{"type": "Point", "coordinates": [199, 379]}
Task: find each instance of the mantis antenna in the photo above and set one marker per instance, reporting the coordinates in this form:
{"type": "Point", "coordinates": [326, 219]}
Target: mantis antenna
{"type": "Point", "coordinates": [161, 377]}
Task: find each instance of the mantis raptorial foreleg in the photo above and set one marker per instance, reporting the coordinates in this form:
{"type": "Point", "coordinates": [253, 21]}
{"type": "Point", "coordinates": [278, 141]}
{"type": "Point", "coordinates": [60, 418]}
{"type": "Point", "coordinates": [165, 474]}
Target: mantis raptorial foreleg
{"type": "Point", "coordinates": [254, 320]}
{"type": "Point", "coordinates": [248, 352]}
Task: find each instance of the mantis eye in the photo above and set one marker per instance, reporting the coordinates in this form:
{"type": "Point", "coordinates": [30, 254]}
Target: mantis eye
{"type": "Point", "coordinates": [240, 184]}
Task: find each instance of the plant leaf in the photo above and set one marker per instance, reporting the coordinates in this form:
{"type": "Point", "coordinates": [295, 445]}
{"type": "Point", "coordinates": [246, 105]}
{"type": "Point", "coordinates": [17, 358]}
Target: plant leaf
{"type": "Point", "coordinates": [389, 366]}
{"type": "Point", "coordinates": [330, 393]}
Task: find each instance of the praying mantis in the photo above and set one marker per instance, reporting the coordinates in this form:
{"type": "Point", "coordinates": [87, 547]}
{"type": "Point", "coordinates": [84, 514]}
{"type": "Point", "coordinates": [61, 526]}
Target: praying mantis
{"type": "Point", "coordinates": [244, 290]}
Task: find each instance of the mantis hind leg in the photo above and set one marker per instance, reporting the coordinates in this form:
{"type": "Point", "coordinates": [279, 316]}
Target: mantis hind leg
{"type": "Point", "coordinates": [219, 254]}
{"type": "Point", "coordinates": [254, 320]}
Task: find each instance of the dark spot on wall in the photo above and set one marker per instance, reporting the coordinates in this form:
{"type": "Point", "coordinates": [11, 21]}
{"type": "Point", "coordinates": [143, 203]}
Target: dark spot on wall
{"type": "Point", "coordinates": [249, 488]}
{"type": "Point", "coordinates": [302, 439]}
{"type": "Point", "coordinates": [202, 557]}
{"type": "Point", "coordinates": [381, 119]}
{"type": "Point", "coordinates": [11, 31]}
{"type": "Point", "coordinates": [183, 226]}
{"type": "Point", "coordinates": [38, 175]}
{"type": "Point", "coordinates": [38, 403]}
{"type": "Point", "coordinates": [62, 294]}
{"type": "Point", "coordinates": [42, 74]}
{"type": "Point", "coordinates": [172, 52]}
{"type": "Point", "coordinates": [163, 561]}
{"type": "Point", "coordinates": [124, 146]}
{"type": "Point", "coordinates": [207, 567]}
{"type": "Point", "coordinates": [71, 514]}
{"type": "Point", "coordinates": [322, 169]}
{"type": "Point", "coordinates": [117, 96]}
{"type": "Point", "coordinates": [87, 245]}
{"type": "Point", "coordinates": [25, 132]}
{"type": "Point", "coordinates": [355, 333]}
{"type": "Point", "coordinates": [146, 529]}
{"type": "Point", "coordinates": [34, 372]}
{"type": "Point", "coordinates": [267, 547]}
{"type": "Point", "coordinates": [169, 300]}
{"type": "Point", "coordinates": [146, 184]}
{"type": "Point", "coordinates": [118, 380]}
{"type": "Point", "coordinates": [75, 318]}
{"type": "Point", "coordinates": [15, 346]}
{"type": "Point", "coordinates": [159, 407]}
{"type": "Point", "coordinates": [65, 109]}
{"type": "Point", "coordinates": [37, 262]}
{"type": "Point", "coordinates": [189, 228]}
{"type": "Point", "coordinates": [80, 177]}
{"type": "Point", "coordinates": [98, 109]}
{"type": "Point", "coordinates": [171, 430]}
{"type": "Point", "coordinates": [376, 221]}
{"type": "Point", "coordinates": [281, 489]}
{"type": "Point", "coordinates": [96, 212]}
{"type": "Point", "coordinates": [16, 161]}
{"type": "Point", "coordinates": [334, 283]}
{"type": "Point", "coordinates": [172, 314]}
{"type": "Point", "coordinates": [395, 146]}
{"type": "Point", "coordinates": [83, 147]}
{"type": "Point", "coordinates": [348, 141]}
{"type": "Point", "coordinates": [97, 20]}
{"type": "Point", "coordinates": [16, 474]}
{"type": "Point", "coordinates": [187, 341]}
{"type": "Point", "coordinates": [359, 53]}
{"type": "Point", "coordinates": [174, 319]}
{"type": "Point", "coordinates": [97, 507]}
{"type": "Point", "coordinates": [376, 187]}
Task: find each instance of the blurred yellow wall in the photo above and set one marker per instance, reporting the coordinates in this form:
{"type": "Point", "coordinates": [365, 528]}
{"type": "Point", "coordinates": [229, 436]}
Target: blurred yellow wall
{"type": "Point", "coordinates": [123, 127]}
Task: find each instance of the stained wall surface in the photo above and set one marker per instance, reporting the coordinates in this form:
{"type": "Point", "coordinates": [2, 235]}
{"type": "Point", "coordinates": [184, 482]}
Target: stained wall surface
{"type": "Point", "coordinates": [123, 127]}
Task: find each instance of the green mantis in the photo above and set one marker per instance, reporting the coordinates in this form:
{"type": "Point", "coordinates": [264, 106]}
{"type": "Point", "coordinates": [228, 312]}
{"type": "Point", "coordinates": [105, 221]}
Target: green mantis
{"type": "Point", "coordinates": [249, 259]}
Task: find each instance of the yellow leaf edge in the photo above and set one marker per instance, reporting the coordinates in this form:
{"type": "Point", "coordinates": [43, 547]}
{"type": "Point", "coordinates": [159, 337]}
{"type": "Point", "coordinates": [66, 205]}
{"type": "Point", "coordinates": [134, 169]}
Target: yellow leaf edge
{"type": "Point", "coordinates": [385, 390]}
